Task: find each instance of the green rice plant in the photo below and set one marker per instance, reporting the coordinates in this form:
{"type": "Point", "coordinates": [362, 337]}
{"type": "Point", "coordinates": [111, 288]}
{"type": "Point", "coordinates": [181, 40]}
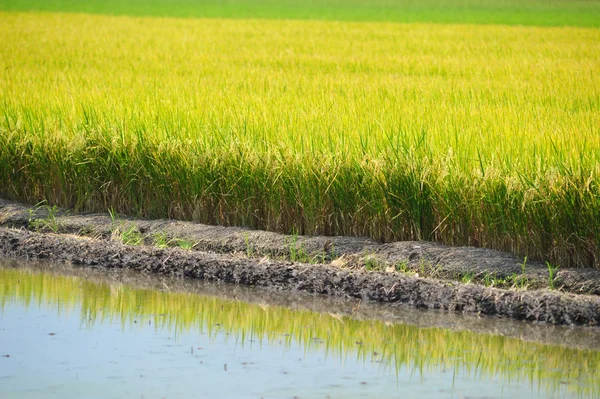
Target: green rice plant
{"type": "Point", "coordinates": [512, 281]}
{"type": "Point", "coordinates": [162, 240]}
{"type": "Point", "coordinates": [318, 258]}
{"type": "Point", "coordinates": [427, 269]}
{"type": "Point", "coordinates": [131, 236]}
{"type": "Point", "coordinates": [297, 253]}
{"type": "Point", "coordinates": [519, 282]}
{"type": "Point", "coordinates": [249, 247]}
{"type": "Point", "coordinates": [114, 216]}
{"type": "Point", "coordinates": [523, 265]}
{"type": "Point", "coordinates": [489, 279]}
{"type": "Point", "coordinates": [403, 267]}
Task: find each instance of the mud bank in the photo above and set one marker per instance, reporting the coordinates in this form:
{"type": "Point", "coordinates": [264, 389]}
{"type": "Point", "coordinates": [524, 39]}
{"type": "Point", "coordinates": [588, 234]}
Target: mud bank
{"type": "Point", "coordinates": [391, 287]}
{"type": "Point", "coordinates": [422, 259]}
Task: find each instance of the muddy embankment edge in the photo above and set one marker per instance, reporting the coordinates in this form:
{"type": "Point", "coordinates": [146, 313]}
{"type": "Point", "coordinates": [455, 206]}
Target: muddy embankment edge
{"type": "Point", "coordinates": [546, 306]}
{"type": "Point", "coordinates": [424, 259]}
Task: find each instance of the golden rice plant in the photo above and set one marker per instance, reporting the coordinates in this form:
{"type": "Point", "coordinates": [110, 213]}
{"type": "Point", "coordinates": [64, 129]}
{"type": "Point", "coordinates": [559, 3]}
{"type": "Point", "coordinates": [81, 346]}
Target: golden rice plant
{"type": "Point", "coordinates": [461, 134]}
{"type": "Point", "coordinates": [400, 346]}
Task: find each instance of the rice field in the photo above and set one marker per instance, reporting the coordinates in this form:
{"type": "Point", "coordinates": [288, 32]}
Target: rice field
{"type": "Point", "coordinates": [483, 134]}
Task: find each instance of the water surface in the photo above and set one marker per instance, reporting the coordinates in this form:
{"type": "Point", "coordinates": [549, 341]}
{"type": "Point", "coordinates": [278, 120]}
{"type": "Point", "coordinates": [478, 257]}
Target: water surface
{"type": "Point", "coordinates": [67, 332]}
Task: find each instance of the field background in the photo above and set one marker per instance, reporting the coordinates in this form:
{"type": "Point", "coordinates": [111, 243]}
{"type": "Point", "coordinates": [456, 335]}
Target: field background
{"type": "Point", "coordinates": [513, 12]}
{"type": "Point", "coordinates": [340, 121]}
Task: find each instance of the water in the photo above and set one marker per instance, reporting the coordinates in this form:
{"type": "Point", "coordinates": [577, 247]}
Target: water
{"type": "Point", "coordinates": [78, 333]}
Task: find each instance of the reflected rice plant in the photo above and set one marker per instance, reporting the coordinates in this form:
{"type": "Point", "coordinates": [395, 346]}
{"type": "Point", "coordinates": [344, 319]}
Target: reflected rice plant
{"type": "Point", "coordinates": [389, 346]}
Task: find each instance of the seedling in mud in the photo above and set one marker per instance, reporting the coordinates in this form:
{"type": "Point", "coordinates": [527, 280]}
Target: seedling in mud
{"type": "Point", "coordinates": [161, 240]}
{"type": "Point", "coordinates": [551, 275]}
{"type": "Point", "coordinates": [131, 236]}
{"type": "Point", "coordinates": [489, 280]}
{"type": "Point", "coordinates": [120, 231]}
{"type": "Point", "coordinates": [297, 252]}
{"type": "Point", "coordinates": [49, 223]}
{"type": "Point", "coordinates": [319, 258]}
{"type": "Point", "coordinates": [373, 264]}
{"type": "Point", "coordinates": [128, 235]}
{"type": "Point", "coordinates": [467, 278]}
{"type": "Point", "coordinates": [519, 282]}
{"type": "Point", "coordinates": [428, 269]}
{"type": "Point", "coordinates": [327, 254]}
{"type": "Point", "coordinates": [114, 216]}
{"type": "Point", "coordinates": [403, 267]}
{"type": "Point", "coordinates": [184, 243]}
{"type": "Point", "coordinates": [523, 265]}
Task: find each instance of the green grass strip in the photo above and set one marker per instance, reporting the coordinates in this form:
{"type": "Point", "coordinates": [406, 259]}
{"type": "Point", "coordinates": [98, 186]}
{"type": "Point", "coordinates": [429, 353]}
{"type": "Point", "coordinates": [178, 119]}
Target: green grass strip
{"type": "Point", "coordinates": [584, 13]}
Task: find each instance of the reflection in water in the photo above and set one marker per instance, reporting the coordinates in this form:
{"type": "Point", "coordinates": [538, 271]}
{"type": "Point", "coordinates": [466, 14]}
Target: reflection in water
{"type": "Point", "coordinates": [552, 369]}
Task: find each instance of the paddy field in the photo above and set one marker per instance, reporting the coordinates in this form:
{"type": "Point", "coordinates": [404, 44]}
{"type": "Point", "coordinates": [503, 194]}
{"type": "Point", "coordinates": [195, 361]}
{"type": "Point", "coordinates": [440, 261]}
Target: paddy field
{"type": "Point", "coordinates": [461, 122]}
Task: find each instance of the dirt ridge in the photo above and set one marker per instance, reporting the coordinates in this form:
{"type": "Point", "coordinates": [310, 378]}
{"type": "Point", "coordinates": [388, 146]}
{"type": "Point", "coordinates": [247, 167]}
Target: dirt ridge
{"type": "Point", "coordinates": [543, 306]}
{"type": "Point", "coordinates": [424, 259]}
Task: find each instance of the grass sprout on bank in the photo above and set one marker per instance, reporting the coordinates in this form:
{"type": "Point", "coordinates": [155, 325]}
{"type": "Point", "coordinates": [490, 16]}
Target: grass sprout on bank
{"type": "Point", "coordinates": [46, 223]}
{"type": "Point", "coordinates": [184, 243]}
{"type": "Point", "coordinates": [161, 240]}
{"type": "Point", "coordinates": [127, 234]}
{"type": "Point", "coordinates": [552, 275]}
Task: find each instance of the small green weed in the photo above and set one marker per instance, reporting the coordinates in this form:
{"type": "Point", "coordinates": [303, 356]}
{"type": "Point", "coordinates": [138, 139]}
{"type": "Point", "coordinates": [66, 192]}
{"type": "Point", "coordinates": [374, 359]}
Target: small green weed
{"type": "Point", "coordinates": [523, 265]}
{"type": "Point", "coordinates": [49, 223]}
{"type": "Point", "coordinates": [467, 278]}
{"type": "Point", "coordinates": [128, 235]}
{"type": "Point", "coordinates": [403, 267]}
{"type": "Point", "coordinates": [131, 236]}
{"type": "Point", "coordinates": [426, 268]}
{"type": "Point", "coordinates": [373, 264]}
{"type": "Point", "coordinates": [297, 252]}
{"type": "Point", "coordinates": [489, 280]}
{"type": "Point", "coordinates": [114, 216]}
{"type": "Point", "coordinates": [184, 243]}
{"type": "Point", "coordinates": [551, 275]}
{"type": "Point", "coordinates": [161, 240]}
{"type": "Point", "coordinates": [520, 282]}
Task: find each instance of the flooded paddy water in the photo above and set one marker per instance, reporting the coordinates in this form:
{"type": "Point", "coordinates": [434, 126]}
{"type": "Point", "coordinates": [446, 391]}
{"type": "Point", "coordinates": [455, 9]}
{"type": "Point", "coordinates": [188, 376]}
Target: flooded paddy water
{"type": "Point", "coordinates": [69, 332]}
